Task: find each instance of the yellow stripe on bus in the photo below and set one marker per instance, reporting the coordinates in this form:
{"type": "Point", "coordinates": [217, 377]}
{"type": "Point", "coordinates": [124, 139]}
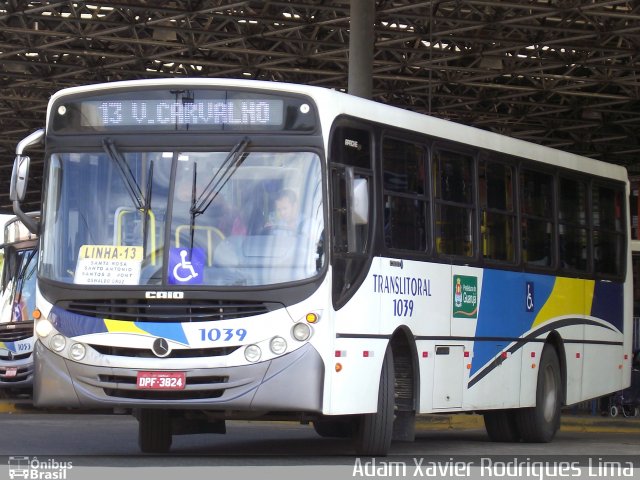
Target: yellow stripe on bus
{"type": "Point", "coordinates": [570, 296]}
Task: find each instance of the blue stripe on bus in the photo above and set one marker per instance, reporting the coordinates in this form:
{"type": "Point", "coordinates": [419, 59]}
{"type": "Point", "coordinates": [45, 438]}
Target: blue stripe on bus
{"type": "Point", "coordinates": [503, 310]}
{"type": "Point", "coordinates": [608, 303]}
{"type": "Point", "coordinates": [73, 325]}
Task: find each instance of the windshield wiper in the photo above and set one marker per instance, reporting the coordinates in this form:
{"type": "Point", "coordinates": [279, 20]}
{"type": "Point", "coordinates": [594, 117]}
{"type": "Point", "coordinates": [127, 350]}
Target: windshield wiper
{"type": "Point", "coordinates": [129, 180]}
{"type": "Point", "coordinates": [145, 210]}
{"type": "Point", "coordinates": [142, 202]}
{"type": "Point", "coordinates": [219, 179]}
{"type": "Point", "coordinates": [229, 166]}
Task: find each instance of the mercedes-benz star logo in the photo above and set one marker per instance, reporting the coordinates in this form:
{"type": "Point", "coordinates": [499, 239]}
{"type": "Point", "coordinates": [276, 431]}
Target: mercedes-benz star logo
{"type": "Point", "coordinates": [160, 347]}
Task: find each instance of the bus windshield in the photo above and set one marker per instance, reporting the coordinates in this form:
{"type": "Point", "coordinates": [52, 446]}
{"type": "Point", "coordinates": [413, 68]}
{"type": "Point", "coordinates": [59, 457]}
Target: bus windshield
{"type": "Point", "coordinates": [178, 217]}
{"type": "Point", "coordinates": [19, 285]}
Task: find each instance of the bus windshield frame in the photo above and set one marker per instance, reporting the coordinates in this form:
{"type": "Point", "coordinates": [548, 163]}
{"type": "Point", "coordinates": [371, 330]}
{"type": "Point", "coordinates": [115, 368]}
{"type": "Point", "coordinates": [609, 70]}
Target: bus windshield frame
{"type": "Point", "coordinates": [227, 242]}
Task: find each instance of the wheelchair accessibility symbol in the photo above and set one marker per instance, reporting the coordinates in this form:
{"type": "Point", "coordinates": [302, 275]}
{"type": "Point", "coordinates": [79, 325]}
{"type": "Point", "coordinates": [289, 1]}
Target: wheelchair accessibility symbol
{"type": "Point", "coordinates": [530, 305]}
{"type": "Point", "coordinates": [186, 266]}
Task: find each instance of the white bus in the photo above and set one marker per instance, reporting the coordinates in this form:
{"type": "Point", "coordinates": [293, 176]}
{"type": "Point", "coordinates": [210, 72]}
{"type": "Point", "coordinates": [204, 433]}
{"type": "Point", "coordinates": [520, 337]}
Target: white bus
{"type": "Point", "coordinates": [17, 303]}
{"type": "Point", "coordinates": [430, 267]}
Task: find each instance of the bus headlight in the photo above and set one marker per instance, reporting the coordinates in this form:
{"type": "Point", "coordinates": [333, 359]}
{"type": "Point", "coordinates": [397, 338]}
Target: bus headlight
{"type": "Point", "coordinates": [278, 345]}
{"type": "Point", "coordinates": [301, 331]}
{"type": "Point", "coordinates": [252, 353]}
{"type": "Point", "coordinates": [58, 342]}
{"type": "Point", "coordinates": [77, 351]}
{"type": "Point", "coordinates": [43, 328]}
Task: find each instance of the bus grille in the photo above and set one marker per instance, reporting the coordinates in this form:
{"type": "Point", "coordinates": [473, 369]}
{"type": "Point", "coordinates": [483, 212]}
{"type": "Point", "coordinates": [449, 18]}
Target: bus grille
{"type": "Point", "coordinates": [185, 311]}
{"type": "Point", "coordinates": [23, 373]}
{"type": "Point", "coordinates": [177, 353]}
{"type": "Point", "coordinates": [14, 332]}
{"type": "Point", "coordinates": [15, 356]}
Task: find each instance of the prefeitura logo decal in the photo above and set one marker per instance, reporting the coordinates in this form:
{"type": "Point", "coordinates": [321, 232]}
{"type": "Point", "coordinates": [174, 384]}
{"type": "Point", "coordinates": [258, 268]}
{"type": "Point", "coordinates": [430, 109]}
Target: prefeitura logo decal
{"type": "Point", "coordinates": [465, 296]}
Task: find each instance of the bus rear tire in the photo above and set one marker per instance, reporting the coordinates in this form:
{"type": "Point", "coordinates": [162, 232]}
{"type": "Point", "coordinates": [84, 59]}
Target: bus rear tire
{"type": "Point", "coordinates": [539, 424]}
{"type": "Point", "coordinates": [373, 432]}
{"type": "Point", "coordinates": [501, 426]}
{"type": "Point", "coordinates": [154, 431]}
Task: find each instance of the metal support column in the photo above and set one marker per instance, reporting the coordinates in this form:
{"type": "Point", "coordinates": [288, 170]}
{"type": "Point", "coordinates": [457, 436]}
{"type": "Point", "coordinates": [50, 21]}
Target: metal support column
{"type": "Point", "coordinates": [361, 40]}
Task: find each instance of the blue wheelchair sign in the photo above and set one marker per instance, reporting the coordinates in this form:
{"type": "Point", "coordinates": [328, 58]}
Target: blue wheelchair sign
{"type": "Point", "coordinates": [186, 266]}
{"type": "Point", "coordinates": [529, 298]}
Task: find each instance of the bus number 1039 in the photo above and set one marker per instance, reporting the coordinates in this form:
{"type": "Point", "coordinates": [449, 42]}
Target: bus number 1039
{"type": "Point", "coordinates": [224, 334]}
{"type": "Point", "coordinates": [403, 308]}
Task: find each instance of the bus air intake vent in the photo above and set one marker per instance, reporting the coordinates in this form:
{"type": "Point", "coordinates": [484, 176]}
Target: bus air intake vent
{"type": "Point", "coordinates": [176, 353]}
{"type": "Point", "coordinates": [135, 310]}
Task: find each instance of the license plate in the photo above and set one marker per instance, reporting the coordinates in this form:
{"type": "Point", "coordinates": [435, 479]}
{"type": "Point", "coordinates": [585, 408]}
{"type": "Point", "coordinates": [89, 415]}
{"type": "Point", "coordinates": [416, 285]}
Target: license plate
{"type": "Point", "coordinates": [11, 372]}
{"type": "Point", "coordinates": [161, 380]}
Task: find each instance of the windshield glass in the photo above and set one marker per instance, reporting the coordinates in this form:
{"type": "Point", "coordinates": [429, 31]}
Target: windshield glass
{"type": "Point", "coordinates": [233, 218]}
{"type": "Point", "coordinates": [20, 291]}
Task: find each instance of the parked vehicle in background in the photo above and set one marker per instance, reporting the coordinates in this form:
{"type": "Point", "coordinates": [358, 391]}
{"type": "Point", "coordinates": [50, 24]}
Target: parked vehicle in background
{"type": "Point", "coordinates": [18, 302]}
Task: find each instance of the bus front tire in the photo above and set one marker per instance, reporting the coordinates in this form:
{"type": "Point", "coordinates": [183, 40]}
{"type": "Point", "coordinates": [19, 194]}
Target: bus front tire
{"type": "Point", "coordinates": [373, 432]}
{"type": "Point", "coordinates": [539, 424]}
{"type": "Point", "coordinates": [501, 426]}
{"type": "Point", "coordinates": [154, 431]}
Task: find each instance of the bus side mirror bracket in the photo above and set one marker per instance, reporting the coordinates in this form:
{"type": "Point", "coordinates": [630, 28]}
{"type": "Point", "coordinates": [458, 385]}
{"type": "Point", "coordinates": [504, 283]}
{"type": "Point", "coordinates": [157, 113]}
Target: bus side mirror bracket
{"type": "Point", "coordinates": [20, 178]}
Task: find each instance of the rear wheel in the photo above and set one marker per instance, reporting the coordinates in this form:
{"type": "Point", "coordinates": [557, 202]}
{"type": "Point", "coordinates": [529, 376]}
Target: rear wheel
{"type": "Point", "coordinates": [501, 426]}
{"type": "Point", "coordinates": [154, 431]}
{"type": "Point", "coordinates": [373, 431]}
{"type": "Point", "coordinates": [613, 411]}
{"type": "Point", "coordinates": [539, 424]}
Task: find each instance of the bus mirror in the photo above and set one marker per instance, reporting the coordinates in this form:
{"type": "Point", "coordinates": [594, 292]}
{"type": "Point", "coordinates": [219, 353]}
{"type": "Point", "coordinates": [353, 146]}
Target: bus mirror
{"type": "Point", "coordinates": [19, 178]}
{"type": "Point", "coordinates": [360, 201]}
{"type": "Point", "coordinates": [20, 173]}
{"type": "Point", "coordinates": [357, 207]}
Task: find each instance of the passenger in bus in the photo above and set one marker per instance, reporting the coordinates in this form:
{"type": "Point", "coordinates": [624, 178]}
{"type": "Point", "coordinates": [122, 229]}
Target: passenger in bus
{"type": "Point", "coordinates": [286, 215]}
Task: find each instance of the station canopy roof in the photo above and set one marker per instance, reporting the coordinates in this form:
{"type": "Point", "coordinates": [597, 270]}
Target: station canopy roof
{"type": "Point", "coordinates": [562, 73]}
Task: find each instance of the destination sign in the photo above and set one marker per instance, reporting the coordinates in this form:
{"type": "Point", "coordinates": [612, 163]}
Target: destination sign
{"type": "Point", "coordinates": [108, 265]}
{"type": "Point", "coordinates": [245, 112]}
{"type": "Point", "coordinates": [182, 110]}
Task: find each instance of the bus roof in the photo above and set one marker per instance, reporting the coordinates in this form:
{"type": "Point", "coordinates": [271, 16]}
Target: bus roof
{"type": "Point", "coordinates": [336, 103]}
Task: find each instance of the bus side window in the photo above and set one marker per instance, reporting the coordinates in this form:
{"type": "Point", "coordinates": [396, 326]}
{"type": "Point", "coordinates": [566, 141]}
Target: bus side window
{"type": "Point", "coordinates": [405, 202]}
{"type": "Point", "coordinates": [608, 228]}
{"type": "Point", "coordinates": [497, 215]}
{"type": "Point", "coordinates": [537, 218]}
{"type": "Point", "coordinates": [454, 205]}
{"type": "Point", "coordinates": [572, 228]}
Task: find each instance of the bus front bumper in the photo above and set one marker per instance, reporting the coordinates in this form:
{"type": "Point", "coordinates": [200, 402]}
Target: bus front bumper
{"type": "Point", "coordinates": [17, 374]}
{"type": "Point", "coordinates": [292, 382]}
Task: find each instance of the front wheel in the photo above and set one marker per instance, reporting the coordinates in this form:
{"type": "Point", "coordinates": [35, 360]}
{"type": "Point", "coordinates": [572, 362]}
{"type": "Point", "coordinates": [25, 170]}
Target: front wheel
{"type": "Point", "coordinates": [539, 424]}
{"type": "Point", "coordinates": [154, 431]}
{"type": "Point", "coordinates": [373, 432]}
